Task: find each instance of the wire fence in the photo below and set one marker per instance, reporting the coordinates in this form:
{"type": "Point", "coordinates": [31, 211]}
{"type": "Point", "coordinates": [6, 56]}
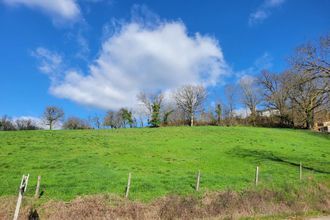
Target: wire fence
{"type": "Point", "coordinates": [137, 182]}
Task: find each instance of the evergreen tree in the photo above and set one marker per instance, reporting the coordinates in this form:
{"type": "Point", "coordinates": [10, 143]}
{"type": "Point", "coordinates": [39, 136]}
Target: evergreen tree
{"type": "Point", "coordinates": [218, 111]}
{"type": "Point", "coordinates": [155, 116]}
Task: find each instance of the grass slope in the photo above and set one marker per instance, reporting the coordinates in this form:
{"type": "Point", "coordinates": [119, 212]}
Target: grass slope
{"type": "Point", "coordinates": [162, 161]}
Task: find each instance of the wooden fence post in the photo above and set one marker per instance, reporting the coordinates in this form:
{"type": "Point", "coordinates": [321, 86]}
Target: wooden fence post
{"type": "Point", "coordinates": [36, 195]}
{"type": "Point", "coordinates": [257, 175]}
{"type": "Point", "coordinates": [22, 189]}
{"type": "Point", "coordinates": [128, 185]}
{"type": "Point", "coordinates": [300, 171]}
{"type": "Point", "coordinates": [198, 180]}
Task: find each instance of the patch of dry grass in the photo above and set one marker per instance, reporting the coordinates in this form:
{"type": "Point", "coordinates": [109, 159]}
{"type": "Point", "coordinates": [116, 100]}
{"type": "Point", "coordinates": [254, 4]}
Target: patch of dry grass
{"type": "Point", "coordinates": [213, 205]}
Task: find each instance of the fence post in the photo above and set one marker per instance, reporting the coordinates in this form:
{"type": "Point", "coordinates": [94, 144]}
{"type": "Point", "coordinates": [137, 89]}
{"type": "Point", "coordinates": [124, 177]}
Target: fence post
{"type": "Point", "coordinates": [257, 175]}
{"type": "Point", "coordinates": [197, 180]}
{"type": "Point", "coordinates": [128, 185]}
{"type": "Point", "coordinates": [22, 189]}
{"type": "Point", "coordinates": [38, 187]}
{"type": "Point", "coordinates": [300, 171]}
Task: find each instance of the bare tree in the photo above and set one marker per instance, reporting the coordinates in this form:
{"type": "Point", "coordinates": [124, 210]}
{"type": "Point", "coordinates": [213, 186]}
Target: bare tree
{"type": "Point", "coordinates": [190, 99]}
{"type": "Point", "coordinates": [313, 59]}
{"type": "Point", "coordinates": [167, 111]}
{"type": "Point", "coordinates": [52, 115]}
{"type": "Point", "coordinates": [114, 119]}
{"type": "Point", "coordinates": [310, 81]}
{"type": "Point", "coordinates": [176, 117]}
{"type": "Point", "coordinates": [148, 99]}
{"type": "Point", "coordinates": [95, 121]}
{"type": "Point", "coordinates": [6, 124]}
{"type": "Point", "coordinates": [140, 115]}
{"type": "Point", "coordinates": [250, 95]}
{"type": "Point", "coordinates": [207, 117]}
{"type": "Point", "coordinates": [153, 104]}
{"type": "Point", "coordinates": [309, 97]}
{"type": "Point", "coordinates": [26, 124]}
{"type": "Point", "coordinates": [75, 123]}
{"type": "Point", "coordinates": [275, 88]}
{"type": "Point", "coordinates": [231, 98]}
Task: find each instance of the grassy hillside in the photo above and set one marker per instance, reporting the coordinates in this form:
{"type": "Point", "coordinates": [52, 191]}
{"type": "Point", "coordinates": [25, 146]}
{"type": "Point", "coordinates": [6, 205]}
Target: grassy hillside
{"type": "Point", "coordinates": [162, 161]}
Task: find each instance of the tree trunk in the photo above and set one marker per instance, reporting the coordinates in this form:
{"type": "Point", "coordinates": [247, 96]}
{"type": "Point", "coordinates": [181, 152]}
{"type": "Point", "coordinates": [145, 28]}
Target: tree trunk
{"type": "Point", "coordinates": [309, 120]}
{"type": "Point", "coordinates": [293, 116]}
{"type": "Point", "coordinates": [253, 116]}
{"type": "Point", "coordinates": [50, 125]}
{"type": "Point", "coordinates": [192, 120]}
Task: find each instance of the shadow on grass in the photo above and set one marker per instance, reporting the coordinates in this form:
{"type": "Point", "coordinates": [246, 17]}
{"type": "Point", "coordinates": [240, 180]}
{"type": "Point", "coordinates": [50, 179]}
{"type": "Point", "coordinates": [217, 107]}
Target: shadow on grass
{"type": "Point", "coordinates": [318, 134]}
{"type": "Point", "coordinates": [269, 155]}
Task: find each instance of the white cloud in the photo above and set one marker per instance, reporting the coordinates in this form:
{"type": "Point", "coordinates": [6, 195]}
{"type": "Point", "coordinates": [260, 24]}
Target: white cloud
{"type": "Point", "coordinates": [50, 62]}
{"type": "Point", "coordinates": [264, 62]}
{"type": "Point", "coordinates": [264, 11]}
{"type": "Point", "coordinates": [261, 63]}
{"type": "Point", "coordinates": [247, 80]}
{"type": "Point", "coordinates": [83, 46]}
{"type": "Point", "coordinates": [273, 3]}
{"type": "Point", "coordinates": [59, 10]}
{"type": "Point", "coordinates": [139, 57]}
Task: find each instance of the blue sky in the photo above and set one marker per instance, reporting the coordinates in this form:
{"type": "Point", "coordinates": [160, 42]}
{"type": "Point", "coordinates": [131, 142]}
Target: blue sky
{"type": "Point", "coordinates": [92, 55]}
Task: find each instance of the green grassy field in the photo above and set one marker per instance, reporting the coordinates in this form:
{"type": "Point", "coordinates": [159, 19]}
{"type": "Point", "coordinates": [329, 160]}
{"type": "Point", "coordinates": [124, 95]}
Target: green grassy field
{"type": "Point", "coordinates": [162, 161]}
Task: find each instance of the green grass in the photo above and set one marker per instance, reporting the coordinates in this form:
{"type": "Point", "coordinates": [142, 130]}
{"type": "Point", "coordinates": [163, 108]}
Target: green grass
{"type": "Point", "coordinates": [162, 161]}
